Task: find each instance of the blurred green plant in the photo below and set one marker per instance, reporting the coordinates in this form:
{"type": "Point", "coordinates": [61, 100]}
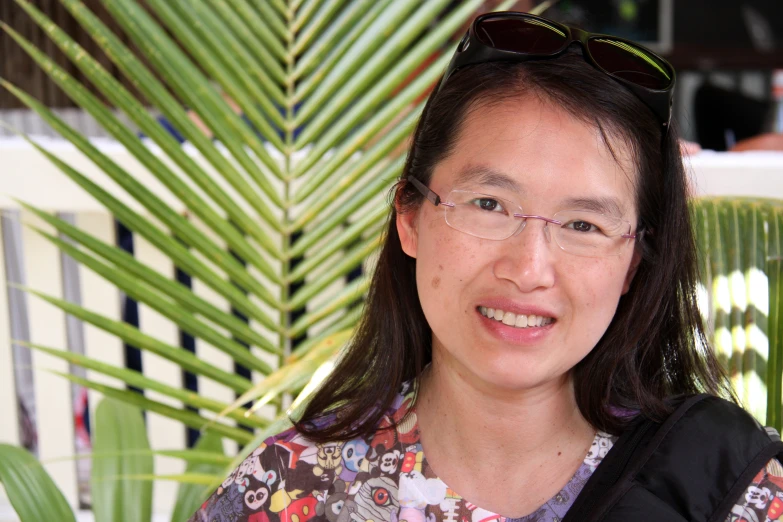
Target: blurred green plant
{"type": "Point", "coordinates": [33, 494]}
{"type": "Point", "coordinates": [122, 471]}
{"type": "Point", "coordinates": [740, 244]}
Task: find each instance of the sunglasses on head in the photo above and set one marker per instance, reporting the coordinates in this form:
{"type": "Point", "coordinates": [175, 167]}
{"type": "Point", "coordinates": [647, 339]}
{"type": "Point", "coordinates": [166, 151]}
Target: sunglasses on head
{"type": "Point", "coordinates": [521, 37]}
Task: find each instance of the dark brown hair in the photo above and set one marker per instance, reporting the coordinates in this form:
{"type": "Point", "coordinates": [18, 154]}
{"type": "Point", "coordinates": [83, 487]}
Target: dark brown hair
{"type": "Point", "coordinates": [655, 347]}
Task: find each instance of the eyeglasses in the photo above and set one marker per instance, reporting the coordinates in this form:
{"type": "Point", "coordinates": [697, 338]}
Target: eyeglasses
{"type": "Point", "coordinates": [578, 232]}
{"type": "Point", "coordinates": [520, 37]}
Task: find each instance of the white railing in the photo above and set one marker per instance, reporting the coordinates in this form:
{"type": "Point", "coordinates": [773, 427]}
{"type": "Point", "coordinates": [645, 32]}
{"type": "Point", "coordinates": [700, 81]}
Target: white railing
{"type": "Point", "coordinates": [26, 174]}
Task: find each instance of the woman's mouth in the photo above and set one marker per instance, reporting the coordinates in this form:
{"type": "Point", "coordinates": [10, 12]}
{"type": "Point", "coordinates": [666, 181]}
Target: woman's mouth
{"type": "Point", "coordinates": [511, 319]}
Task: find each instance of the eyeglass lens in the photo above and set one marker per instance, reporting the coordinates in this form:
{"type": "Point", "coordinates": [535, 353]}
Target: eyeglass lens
{"type": "Point", "coordinates": [533, 36]}
{"type": "Point", "coordinates": [582, 233]}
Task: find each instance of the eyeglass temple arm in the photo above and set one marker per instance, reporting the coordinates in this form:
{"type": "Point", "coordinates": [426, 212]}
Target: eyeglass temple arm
{"type": "Point", "coordinates": [425, 191]}
{"type": "Point", "coordinates": [639, 235]}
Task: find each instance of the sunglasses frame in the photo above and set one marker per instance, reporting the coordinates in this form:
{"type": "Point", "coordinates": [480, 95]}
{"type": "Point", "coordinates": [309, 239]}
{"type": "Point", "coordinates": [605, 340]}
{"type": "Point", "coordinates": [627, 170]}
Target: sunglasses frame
{"type": "Point", "coordinates": [471, 50]}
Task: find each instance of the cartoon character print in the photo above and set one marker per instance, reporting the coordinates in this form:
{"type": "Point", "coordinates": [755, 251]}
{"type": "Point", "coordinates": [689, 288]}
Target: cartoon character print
{"type": "Point", "coordinates": [329, 458]}
{"type": "Point", "coordinates": [228, 507]}
{"type": "Point", "coordinates": [389, 461]}
{"type": "Point", "coordinates": [250, 466]}
{"type": "Point", "coordinates": [602, 443]}
{"type": "Point", "coordinates": [337, 506]}
{"type": "Point", "coordinates": [757, 497]}
{"type": "Point", "coordinates": [354, 453]}
{"type": "Point", "coordinates": [304, 478]}
{"type": "Point", "coordinates": [376, 499]}
{"type": "Point", "coordinates": [316, 465]}
{"type": "Point", "coordinates": [775, 511]}
{"type": "Point", "coordinates": [300, 510]}
{"type": "Point", "coordinates": [407, 427]}
{"type": "Point", "coordinates": [407, 422]}
{"type": "Point", "coordinates": [414, 495]}
{"type": "Point", "coordinates": [256, 498]}
{"type": "Point", "coordinates": [226, 483]}
{"type": "Point", "coordinates": [742, 514]}
{"type": "Point", "coordinates": [482, 515]}
{"type": "Point", "coordinates": [260, 489]}
{"type": "Point", "coordinates": [412, 461]}
{"type": "Point", "coordinates": [290, 449]}
{"type": "Point", "coordinates": [282, 498]}
{"type": "Point", "coordinates": [409, 514]}
{"type": "Point", "coordinates": [763, 499]}
{"type": "Point", "coordinates": [772, 473]}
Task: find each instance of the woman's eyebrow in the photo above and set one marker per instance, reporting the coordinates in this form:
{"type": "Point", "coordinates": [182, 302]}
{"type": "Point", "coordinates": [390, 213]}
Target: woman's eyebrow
{"type": "Point", "coordinates": [483, 175]}
{"type": "Point", "coordinates": [602, 205]}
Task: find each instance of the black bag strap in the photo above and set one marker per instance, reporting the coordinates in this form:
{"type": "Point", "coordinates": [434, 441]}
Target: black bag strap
{"type": "Point", "coordinates": [614, 476]}
{"type": "Point", "coordinates": [604, 487]}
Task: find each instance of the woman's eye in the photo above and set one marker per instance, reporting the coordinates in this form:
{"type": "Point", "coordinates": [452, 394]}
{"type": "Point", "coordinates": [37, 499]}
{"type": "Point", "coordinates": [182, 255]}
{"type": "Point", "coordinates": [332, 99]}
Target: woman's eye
{"type": "Point", "coordinates": [488, 204]}
{"type": "Point", "coordinates": [582, 226]}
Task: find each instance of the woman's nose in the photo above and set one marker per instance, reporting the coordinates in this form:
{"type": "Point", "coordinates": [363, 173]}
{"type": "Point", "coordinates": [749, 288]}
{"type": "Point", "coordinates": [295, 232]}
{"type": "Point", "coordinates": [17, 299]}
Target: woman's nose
{"type": "Point", "coordinates": [526, 258]}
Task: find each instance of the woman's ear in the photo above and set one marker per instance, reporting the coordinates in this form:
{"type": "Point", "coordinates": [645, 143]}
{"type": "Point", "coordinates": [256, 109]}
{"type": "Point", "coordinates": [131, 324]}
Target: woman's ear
{"type": "Point", "coordinates": [635, 260]}
{"type": "Point", "coordinates": [407, 229]}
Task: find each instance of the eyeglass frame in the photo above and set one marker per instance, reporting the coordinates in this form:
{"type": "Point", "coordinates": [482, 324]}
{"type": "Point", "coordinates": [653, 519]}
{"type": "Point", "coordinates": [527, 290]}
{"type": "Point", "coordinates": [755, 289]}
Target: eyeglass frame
{"type": "Point", "coordinates": [471, 50]}
{"type": "Point", "coordinates": [436, 200]}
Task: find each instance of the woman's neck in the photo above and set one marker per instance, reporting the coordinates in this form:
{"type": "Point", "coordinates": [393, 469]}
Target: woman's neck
{"type": "Point", "coordinates": [474, 413]}
{"type": "Point", "coordinates": [485, 443]}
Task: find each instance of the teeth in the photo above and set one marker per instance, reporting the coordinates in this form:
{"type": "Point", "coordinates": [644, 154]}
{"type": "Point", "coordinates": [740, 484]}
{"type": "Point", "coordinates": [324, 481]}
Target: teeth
{"type": "Point", "coordinates": [518, 321]}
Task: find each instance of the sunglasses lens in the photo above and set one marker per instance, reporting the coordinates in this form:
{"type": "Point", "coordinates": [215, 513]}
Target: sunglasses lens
{"type": "Point", "coordinates": [521, 35]}
{"type": "Point", "coordinates": [631, 63]}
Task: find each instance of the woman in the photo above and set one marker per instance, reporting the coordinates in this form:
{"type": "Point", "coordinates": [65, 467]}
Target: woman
{"type": "Point", "coordinates": [533, 299]}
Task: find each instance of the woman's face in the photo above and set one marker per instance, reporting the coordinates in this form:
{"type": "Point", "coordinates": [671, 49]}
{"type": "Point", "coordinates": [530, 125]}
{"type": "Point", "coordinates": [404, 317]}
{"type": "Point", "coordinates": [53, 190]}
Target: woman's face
{"type": "Point", "coordinates": [546, 161]}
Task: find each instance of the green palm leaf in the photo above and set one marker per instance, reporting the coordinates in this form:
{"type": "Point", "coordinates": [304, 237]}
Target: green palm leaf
{"type": "Point", "coordinates": [119, 427]}
{"type": "Point", "coordinates": [138, 380]}
{"type": "Point", "coordinates": [32, 493]}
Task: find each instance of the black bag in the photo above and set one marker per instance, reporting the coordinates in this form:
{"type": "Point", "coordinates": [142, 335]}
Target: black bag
{"type": "Point", "coordinates": [692, 467]}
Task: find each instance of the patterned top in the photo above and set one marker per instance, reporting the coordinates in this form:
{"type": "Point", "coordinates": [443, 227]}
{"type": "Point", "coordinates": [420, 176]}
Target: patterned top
{"type": "Point", "coordinates": [386, 478]}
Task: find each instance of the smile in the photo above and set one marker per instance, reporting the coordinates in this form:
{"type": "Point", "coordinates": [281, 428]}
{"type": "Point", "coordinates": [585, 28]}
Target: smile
{"type": "Point", "coordinates": [517, 321]}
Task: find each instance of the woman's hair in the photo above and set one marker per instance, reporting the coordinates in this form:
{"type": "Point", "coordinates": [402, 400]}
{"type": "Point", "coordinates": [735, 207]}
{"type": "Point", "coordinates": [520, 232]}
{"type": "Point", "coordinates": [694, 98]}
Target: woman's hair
{"type": "Point", "coordinates": [654, 348]}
